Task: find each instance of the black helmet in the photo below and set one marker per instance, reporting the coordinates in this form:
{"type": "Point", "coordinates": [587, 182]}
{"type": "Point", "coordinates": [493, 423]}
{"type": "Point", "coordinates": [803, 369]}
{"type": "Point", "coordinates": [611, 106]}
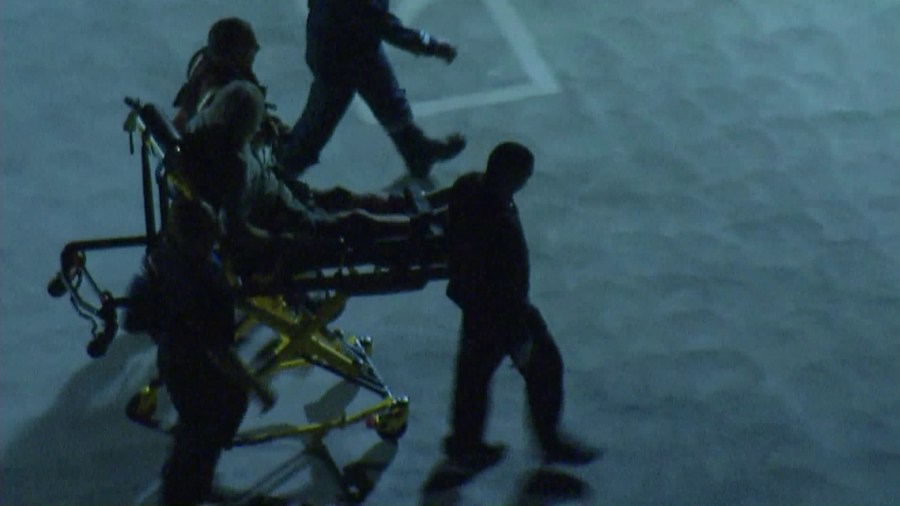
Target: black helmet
{"type": "Point", "coordinates": [229, 37]}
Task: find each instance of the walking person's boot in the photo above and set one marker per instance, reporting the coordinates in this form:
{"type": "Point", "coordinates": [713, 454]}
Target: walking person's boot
{"type": "Point", "coordinates": [421, 152]}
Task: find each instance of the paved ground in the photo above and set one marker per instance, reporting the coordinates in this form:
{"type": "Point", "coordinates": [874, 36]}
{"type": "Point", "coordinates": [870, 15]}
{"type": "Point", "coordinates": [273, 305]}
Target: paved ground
{"type": "Point", "coordinates": [712, 222]}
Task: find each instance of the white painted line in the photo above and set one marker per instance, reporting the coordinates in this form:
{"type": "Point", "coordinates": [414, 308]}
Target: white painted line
{"type": "Point", "coordinates": [523, 44]}
{"type": "Point", "coordinates": [459, 102]}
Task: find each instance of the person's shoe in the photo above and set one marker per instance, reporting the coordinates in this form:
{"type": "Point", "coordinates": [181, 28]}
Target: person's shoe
{"type": "Point", "coordinates": [436, 151]}
{"type": "Point", "coordinates": [566, 451]}
{"type": "Point", "coordinates": [474, 455]}
{"type": "Point", "coordinates": [448, 148]}
{"type": "Point", "coordinates": [420, 152]}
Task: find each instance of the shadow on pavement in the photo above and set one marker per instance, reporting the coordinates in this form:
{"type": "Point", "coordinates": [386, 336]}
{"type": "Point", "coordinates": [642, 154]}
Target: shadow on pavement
{"type": "Point", "coordinates": [84, 450]}
{"type": "Point", "coordinates": [545, 487]}
{"type": "Point", "coordinates": [328, 481]}
{"type": "Point", "coordinates": [441, 488]}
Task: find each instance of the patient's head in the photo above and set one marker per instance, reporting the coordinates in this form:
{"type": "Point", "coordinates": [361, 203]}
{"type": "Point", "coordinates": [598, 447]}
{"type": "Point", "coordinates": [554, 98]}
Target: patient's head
{"type": "Point", "coordinates": [509, 166]}
{"type": "Point", "coordinates": [236, 110]}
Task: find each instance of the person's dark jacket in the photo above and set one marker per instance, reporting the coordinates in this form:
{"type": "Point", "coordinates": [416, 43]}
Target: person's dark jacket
{"type": "Point", "coordinates": [184, 304]}
{"type": "Point", "coordinates": [343, 35]}
{"type": "Point", "coordinates": [488, 255]}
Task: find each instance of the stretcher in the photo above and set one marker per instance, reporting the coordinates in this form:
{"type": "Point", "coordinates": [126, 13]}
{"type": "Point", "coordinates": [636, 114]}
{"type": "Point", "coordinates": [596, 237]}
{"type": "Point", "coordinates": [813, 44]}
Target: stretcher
{"type": "Point", "coordinates": [304, 336]}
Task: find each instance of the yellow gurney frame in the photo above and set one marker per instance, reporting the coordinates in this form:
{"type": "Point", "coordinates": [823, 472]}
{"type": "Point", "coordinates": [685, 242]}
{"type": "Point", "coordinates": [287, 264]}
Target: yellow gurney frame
{"type": "Point", "coordinates": [303, 337]}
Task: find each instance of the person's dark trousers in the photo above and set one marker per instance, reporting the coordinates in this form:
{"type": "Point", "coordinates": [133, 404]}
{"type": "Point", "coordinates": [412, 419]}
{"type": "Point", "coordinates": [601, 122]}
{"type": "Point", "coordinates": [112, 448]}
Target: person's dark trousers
{"type": "Point", "coordinates": [543, 373]}
{"type": "Point", "coordinates": [486, 338]}
{"type": "Point", "coordinates": [329, 99]}
{"type": "Point", "coordinates": [210, 410]}
{"type": "Point", "coordinates": [325, 106]}
{"type": "Point", "coordinates": [188, 472]}
{"type": "Point", "coordinates": [480, 352]}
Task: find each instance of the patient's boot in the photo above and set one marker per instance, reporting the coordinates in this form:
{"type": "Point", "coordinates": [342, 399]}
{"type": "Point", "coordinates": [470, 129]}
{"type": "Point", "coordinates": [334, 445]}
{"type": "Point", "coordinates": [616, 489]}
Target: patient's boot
{"type": "Point", "coordinates": [421, 152]}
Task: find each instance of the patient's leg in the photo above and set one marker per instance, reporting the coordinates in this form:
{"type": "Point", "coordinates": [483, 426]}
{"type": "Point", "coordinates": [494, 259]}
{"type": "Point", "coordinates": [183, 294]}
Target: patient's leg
{"type": "Point", "coordinates": [359, 227]}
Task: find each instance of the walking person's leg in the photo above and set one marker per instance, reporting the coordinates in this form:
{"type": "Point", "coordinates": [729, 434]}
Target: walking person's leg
{"type": "Point", "coordinates": [210, 410]}
{"type": "Point", "coordinates": [541, 366]}
{"type": "Point", "coordinates": [325, 106]}
{"type": "Point", "coordinates": [389, 105]}
{"type": "Point", "coordinates": [476, 361]}
{"type": "Point", "coordinates": [187, 475]}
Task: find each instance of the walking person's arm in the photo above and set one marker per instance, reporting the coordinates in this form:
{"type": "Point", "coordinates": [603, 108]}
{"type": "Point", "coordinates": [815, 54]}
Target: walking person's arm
{"type": "Point", "coordinates": [394, 32]}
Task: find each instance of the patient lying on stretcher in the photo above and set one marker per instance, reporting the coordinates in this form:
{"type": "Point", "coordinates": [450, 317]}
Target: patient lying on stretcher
{"type": "Point", "coordinates": [267, 219]}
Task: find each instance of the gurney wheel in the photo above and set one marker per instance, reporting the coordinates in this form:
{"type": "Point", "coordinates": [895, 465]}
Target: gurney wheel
{"type": "Point", "coordinates": [56, 287]}
{"type": "Point", "coordinates": [392, 434]}
{"type": "Point", "coordinates": [391, 425]}
{"type": "Point", "coordinates": [141, 408]}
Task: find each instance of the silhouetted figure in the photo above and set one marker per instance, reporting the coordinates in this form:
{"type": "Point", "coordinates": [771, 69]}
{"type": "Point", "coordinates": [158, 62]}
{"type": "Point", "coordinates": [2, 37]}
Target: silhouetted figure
{"type": "Point", "coordinates": [183, 300]}
{"type": "Point", "coordinates": [489, 281]}
{"type": "Point", "coordinates": [345, 54]}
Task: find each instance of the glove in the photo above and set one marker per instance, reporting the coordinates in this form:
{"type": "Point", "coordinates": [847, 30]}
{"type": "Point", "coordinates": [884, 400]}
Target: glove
{"type": "Point", "coordinates": [442, 49]}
